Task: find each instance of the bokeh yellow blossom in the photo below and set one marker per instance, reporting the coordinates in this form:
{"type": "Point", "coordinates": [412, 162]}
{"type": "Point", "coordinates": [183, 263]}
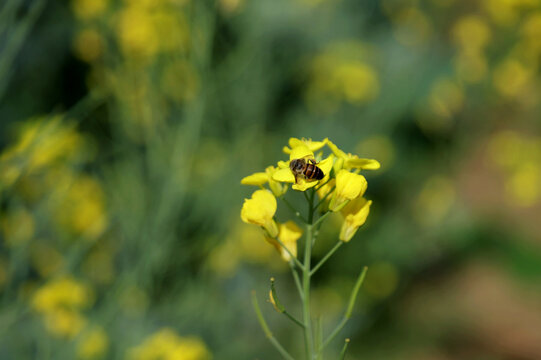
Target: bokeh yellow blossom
{"type": "Point", "coordinates": [81, 207]}
{"type": "Point", "coordinates": [93, 344]}
{"type": "Point", "coordinates": [342, 73]}
{"type": "Point", "coordinates": [60, 302]}
{"type": "Point", "coordinates": [61, 292]}
{"type": "Point", "coordinates": [167, 345]}
{"type": "Point", "coordinates": [88, 45]}
{"type": "Point", "coordinates": [63, 322]}
{"type": "Point", "coordinates": [89, 9]}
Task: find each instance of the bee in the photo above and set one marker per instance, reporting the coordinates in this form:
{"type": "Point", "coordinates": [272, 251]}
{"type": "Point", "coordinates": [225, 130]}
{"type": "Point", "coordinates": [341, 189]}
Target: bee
{"type": "Point", "coordinates": [308, 169]}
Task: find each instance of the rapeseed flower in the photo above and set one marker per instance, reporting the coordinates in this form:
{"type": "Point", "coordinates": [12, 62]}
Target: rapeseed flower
{"type": "Point", "coordinates": [260, 210]}
{"type": "Point", "coordinates": [288, 235]}
{"type": "Point", "coordinates": [302, 151]}
{"type": "Point", "coordinates": [340, 185]}
{"type": "Point", "coordinates": [355, 213]}
{"type": "Point", "coordinates": [261, 178]}
{"type": "Point", "coordinates": [337, 181]}
{"type": "Point", "coordinates": [349, 186]}
{"type": "Point", "coordinates": [349, 161]}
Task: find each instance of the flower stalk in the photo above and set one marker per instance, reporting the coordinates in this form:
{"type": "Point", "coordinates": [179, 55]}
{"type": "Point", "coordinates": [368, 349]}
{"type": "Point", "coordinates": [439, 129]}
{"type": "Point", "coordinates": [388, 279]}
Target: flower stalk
{"type": "Point", "coordinates": [340, 189]}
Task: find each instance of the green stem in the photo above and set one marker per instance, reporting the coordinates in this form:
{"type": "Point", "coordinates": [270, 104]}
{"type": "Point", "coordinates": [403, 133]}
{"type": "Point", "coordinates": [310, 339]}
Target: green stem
{"type": "Point", "coordinates": [326, 257]}
{"type": "Point", "coordinates": [308, 336]}
{"type": "Point", "coordinates": [296, 278]}
{"type": "Point", "coordinates": [292, 208]}
{"type": "Point", "coordinates": [306, 294]}
{"type": "Point", "coordinates": [349, 309]}
{"type": "Point", "coordinates": [325, 183]}
{"type": "Point", "coordinates": [343, 352]}
{"type": "Point", "coordinates": [318, 330]}
{"type": "Point", "coordinates": [325, 197]}
{"type": "Point", "coordinates": [297, 262]}
{"type": "Point", "coordinates": [267, 331]}
{"type": "Point", "coordinates": [292, 318]}
{"type": "Point", "coordinates": [321, 218]}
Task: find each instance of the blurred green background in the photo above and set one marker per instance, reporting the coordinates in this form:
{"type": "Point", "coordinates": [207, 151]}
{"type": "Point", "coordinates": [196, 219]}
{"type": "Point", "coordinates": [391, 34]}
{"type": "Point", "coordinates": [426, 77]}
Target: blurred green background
{"type": "Point", "coordinates": [126, 126]}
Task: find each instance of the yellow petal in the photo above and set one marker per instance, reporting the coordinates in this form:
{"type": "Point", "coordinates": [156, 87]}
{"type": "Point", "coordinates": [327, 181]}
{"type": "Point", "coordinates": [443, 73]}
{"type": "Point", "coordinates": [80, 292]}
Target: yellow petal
{"type": "Point", "coordinates": [326, 164]}
{"type": "Point", "coordinates": [363, 164]}
{"type": "Point", "coordinates": [336, 151]}
{"type": "Point", "coordinates": [277, 188]}
{"type": "Point", "coordinates": [350, 185]}
{"type": "Point", "coordinates": [283, 164]}
{"type": "Point", "coordinates": [312, 145]}
{"type": "Point", "coordinates": [260, 210]}
{"type": "Point", "coordinates": [301, 151]}
{"type": "Point", "coordinates": [338, 165]}
{"type": "Point", "coordinates": [289, 234]}
{"type": "Point", "coordinates": [257, 179]}
{"type": "Point", "coordinates": [324, 189]}
{"type": "Point", "coordinates": [355, 214]}
{"type": "Point", "coordinates": [304, 185]}
{"type": "Point", "coordinates": [283, 175]}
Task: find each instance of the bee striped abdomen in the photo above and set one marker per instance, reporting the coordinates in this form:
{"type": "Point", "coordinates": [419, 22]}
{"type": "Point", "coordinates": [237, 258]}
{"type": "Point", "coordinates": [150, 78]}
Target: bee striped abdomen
{"type": "Point", "coordinates": [312, 172]}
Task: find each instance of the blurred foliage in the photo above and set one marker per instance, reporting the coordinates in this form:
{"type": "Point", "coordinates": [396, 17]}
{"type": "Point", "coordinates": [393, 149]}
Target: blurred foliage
{"type": "Point", "coordinates": [126, 126]}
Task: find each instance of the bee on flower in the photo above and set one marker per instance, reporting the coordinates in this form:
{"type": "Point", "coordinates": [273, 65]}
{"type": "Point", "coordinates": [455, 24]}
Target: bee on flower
{"type": "Point", "coordinates": [335, 178]}
{"type": "Point", "coordinates": [337, 182]}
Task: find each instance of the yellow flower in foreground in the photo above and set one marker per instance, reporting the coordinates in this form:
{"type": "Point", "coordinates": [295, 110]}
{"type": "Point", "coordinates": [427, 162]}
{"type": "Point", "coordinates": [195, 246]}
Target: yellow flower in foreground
{"type": "Point", "coordinates": [259, 210]}
{"type": "Point", "coordinates": [348, 187]}
{"type": "Point", "coordinates": [288, 234]}
{"type": "Point", "coordinates": [312, 145]}
{"type": "Point", "coordinates": [349, 161]}
{"type": "Point", "coordinates": [261, 178]}
{"type": "Point", "coordinates": [355, 214]}
{"type": "Point", "coordinates": [284, 174]}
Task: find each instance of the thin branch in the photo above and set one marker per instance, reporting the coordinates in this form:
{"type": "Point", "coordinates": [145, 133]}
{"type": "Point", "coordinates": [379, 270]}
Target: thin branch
{"type": "Point", "coordinates": [325, 197]}
{"type": "Point", "coordinates": [296, 278]}
{"type": "Point", "coordinates": [349, 309]}
{"type": "Point", "coordinates": [326, 257]}
{"type": "Point", "coordinates": [295, 211]}
{"type": "Point", "coordinates": [292, 318]}
{"type": "Point", "coordinates": [294, 258]}
{"type": "Point", "coordinates": [325, 183]}
{"type": "Point", "coordinates": [343, 352]}
{"type": "Point", "coordinates": [267, 331]}
{"type": "Point", "coordinates": [321, 218]}
{"type": "Point", "coordinates": [278, 306]}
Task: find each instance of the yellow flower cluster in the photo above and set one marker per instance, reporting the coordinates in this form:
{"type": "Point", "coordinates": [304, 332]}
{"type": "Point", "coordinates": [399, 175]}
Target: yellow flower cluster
{"type": "Point", "coordinates": [518, 157]}
{"type": "Point", "coordinates": [344, 72]}
{"type": "Point", "coordinates": [167, 345]}
{"type": "Point", "coordinates": [340, 190]}
{"type": "Point", "coordinates": [60, 301]}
